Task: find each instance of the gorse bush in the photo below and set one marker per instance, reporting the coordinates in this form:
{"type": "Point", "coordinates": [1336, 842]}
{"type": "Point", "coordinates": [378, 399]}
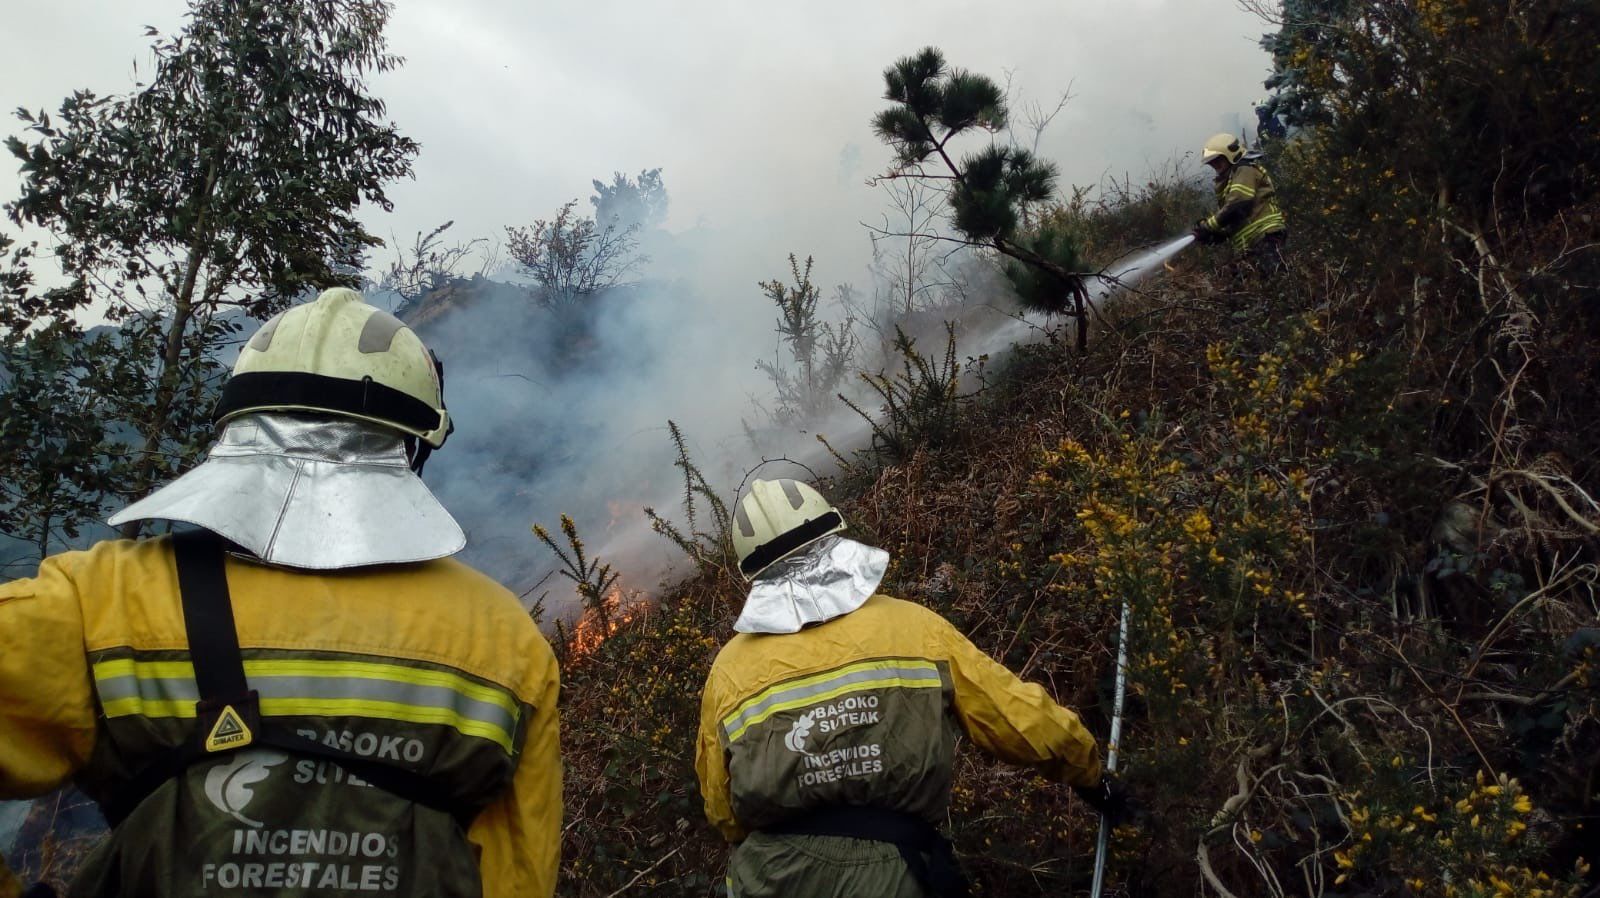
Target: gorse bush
{"type": "Point", "coordinates": [631, 808]}
{"type": "Point", "coordinates": [821, 352]}
{"type": "Point", "coordinates": [706, 534]}
{"type": "Point", "coordinates": [1478, 113]}
{"type": "Point", "coordinates": [921, 402]}
{"type": "Point", "coordinates": [1467, 839]}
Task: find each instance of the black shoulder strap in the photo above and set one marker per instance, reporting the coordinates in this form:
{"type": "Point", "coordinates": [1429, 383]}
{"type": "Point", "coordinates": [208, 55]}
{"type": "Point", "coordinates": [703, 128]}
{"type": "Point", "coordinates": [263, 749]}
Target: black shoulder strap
{"type": "Point", "coordinates": [208, 616]}
{"type": "Point", "coordinates": [228, 715]}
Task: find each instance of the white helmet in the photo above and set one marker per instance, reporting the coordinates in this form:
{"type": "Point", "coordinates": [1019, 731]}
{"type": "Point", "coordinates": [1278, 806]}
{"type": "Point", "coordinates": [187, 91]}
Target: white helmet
{"type": "Point", "coordinates": [340, 356]}
{"type": "Point", "coordinates": [336, 492]}
{"type": "Point", "coordinates": [778, 518]}
{"type": "Point", "coordinates": [1222, 146]}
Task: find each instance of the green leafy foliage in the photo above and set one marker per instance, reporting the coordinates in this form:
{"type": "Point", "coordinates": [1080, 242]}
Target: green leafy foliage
{"type": "Point", "coordinates": [58, 457]}
{"type": "Point", "coordinates": [231, 179]}
{"type": "Point", "coordinates": [1478, 106]}
{"type": "Point", "coordinates": [999, 182]}
{"type": "Point", "coordinates": [1037, 290]}
{"type": "Point", "coordinates": [240, 165]}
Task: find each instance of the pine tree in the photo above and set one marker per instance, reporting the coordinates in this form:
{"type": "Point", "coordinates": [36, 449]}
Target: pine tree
{"type": "Point", "coordinates": [989, 191]}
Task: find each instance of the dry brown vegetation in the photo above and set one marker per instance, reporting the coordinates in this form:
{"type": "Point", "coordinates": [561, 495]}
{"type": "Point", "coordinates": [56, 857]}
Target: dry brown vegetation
{"type": "Point", "coordinates": [1353, 512]}
{"type": "Point", "coordinates": [1354, 519]}
{"type": "Point", "coordinates": [1380, 628]}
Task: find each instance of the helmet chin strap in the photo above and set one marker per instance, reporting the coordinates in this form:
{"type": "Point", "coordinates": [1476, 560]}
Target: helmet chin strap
{"type": "Point", "coordinates": [418, 450]}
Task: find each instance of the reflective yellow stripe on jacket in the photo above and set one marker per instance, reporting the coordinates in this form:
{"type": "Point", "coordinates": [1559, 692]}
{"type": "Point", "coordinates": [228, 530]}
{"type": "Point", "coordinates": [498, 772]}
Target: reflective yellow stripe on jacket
{"type": "Point", "coordinates": [1247, 190]}
{"type": "Point", "coordinates": [754, 746]}
{"type": "Point", "coordinates": [435, 663]}
{"type": "Point", "coordinates": [308, 686]}
{"type": "Point", "coordinates": [1265, 222]}
{"type": "Point", "coordinates": [907, 673]}
{"type": "Point", "coordinates": [1238, 191]}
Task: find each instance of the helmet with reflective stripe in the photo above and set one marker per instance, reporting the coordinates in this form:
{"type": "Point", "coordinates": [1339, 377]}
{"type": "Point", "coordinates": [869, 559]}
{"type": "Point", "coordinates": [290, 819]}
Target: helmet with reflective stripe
{"type": "Point", "coordinates": [337, 355]}
{"type": "Point", "coordinates": [778, 518]}
{"type": "Point", "coordinates": [1223, 146]}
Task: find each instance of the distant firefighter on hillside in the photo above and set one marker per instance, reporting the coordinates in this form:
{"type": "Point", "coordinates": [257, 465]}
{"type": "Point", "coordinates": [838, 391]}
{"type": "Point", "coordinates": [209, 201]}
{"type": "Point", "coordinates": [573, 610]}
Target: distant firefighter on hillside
{"type": "Point", "coordinates": [1247, 213]}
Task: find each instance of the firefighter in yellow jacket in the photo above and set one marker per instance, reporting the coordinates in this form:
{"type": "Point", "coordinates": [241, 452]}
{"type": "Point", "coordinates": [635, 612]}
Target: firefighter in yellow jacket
{"type": "Point", "coordinates": [1247, 215]}
{"type": "Point", "coordinates": [828, 723]}
{"type": "Point", "coordinates": [304, 695]}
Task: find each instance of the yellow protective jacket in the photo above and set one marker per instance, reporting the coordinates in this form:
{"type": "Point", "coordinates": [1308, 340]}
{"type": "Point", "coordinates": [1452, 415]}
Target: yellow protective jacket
{"type": "Point", "coordinates": [864, 710]}
{"type": "Point", "coordinates": [1247, 206]}
{"type": "Point", "coordinates": [432, 667]}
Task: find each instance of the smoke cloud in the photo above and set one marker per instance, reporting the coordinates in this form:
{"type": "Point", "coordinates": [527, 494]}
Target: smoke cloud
{"type": "Point", "coordinates": [758, 115]}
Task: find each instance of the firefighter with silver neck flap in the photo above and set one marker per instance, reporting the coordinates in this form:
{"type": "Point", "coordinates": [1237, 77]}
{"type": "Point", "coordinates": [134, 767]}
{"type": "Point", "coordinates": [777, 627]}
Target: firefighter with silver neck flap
{"type": "Point", "coordinates": [299, 693]}
{"type": "Point", "coordinates": [828, 723]}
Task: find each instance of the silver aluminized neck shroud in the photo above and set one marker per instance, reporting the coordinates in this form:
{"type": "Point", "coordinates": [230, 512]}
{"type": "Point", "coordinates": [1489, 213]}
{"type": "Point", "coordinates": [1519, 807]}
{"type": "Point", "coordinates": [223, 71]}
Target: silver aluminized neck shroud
{"type": "Point", "coordinates": [827, 579]}
{"type": "Point", "coordinates": [320, 493]}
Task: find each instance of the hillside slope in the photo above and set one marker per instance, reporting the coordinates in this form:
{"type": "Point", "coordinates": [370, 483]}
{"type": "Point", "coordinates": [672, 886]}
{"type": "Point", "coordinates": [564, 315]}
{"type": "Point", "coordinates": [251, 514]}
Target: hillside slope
{"type": "Point", "coordinates": [1359, 550]}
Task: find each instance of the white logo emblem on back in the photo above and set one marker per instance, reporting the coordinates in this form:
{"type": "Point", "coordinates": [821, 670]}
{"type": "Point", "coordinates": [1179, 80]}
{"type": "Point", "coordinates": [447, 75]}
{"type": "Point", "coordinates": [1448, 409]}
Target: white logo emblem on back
{"type": "Point", "coordinates": [228, 784]}
{"type": "Point", "coordinates": [795, 741]}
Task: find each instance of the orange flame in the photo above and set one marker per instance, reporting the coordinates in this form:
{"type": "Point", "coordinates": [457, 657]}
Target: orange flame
{"type": "Point", "coordinates": [595, 626]}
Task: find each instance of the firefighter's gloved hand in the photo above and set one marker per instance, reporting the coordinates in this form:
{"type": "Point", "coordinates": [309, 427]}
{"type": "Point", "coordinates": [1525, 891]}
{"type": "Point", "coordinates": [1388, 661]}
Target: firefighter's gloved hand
{"type": "Point", "coordinates": [1111, 799]}
{"type": "Point", "coordinates": [1204, 234]}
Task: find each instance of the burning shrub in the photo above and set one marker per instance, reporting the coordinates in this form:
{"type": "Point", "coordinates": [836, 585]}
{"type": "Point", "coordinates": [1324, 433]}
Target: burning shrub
{"type": "Point", "coordinates": [629, 715]}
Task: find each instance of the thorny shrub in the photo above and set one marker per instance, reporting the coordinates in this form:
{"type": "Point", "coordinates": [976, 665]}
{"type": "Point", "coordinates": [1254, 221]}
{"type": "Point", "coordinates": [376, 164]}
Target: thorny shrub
{"type": "Point", "coordinates": [1109, 219]}
{"type": "Point", "coordinates": [920, 403]}
{"type": "Point", "coordinates": [630, 803]}
{"type": "Point", "coordinates": [1470, 840]}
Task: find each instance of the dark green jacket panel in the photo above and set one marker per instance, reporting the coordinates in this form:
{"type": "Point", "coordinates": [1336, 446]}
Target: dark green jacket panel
{"type": "Point", "coordinates": [877, 733]}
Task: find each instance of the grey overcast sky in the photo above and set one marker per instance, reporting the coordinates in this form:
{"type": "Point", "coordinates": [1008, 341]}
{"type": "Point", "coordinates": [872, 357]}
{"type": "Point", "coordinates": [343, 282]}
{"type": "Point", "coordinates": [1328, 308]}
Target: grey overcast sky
{"type": "Point", "coordinates": [757, 111]}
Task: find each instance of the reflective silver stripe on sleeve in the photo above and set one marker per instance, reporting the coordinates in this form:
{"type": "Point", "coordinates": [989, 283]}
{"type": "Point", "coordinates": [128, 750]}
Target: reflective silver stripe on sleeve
{"type": "Point", "coordinates": [860, 676]}
{"type": "Point", "coordinates": [148, 689]}
{"type": "Point", "coordinates": [365, 689]}
{"type": "Point", "coordinates": [289, 688]}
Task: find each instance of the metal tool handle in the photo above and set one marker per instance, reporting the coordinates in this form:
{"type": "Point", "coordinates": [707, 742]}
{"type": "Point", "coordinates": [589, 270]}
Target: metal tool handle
{"type": "Point", "coordinates": [1111, 750]}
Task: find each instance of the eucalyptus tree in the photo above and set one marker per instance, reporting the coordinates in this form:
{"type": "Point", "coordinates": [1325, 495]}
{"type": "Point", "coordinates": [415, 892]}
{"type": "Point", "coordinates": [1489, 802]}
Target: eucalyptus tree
{"type": "Point", "coordinates": [228, 183]}
{"type": "Point", "coordinates": [58, 454]}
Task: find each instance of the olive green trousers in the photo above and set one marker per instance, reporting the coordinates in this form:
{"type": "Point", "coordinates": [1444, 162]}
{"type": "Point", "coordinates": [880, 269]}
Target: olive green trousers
{"type": "Point", "coordinates": [768, 866]}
